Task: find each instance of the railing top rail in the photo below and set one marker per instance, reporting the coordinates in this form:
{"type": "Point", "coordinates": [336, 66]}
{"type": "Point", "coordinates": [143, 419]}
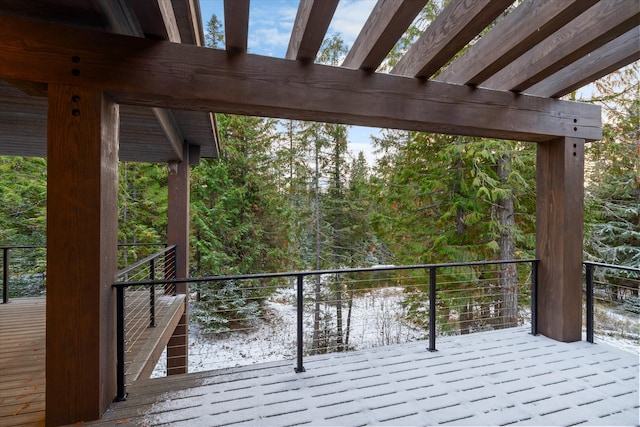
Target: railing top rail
{"type": "Point", "coordinates": [143, 244]}
{"type": "Point", "coordinates": [318, 272]}
{"type": "Point", "coordinates": [616, 267]}
{"type": "Point", "coordinates": [144, 261]}
{"type": "Point", "coordinates": [44, 246]}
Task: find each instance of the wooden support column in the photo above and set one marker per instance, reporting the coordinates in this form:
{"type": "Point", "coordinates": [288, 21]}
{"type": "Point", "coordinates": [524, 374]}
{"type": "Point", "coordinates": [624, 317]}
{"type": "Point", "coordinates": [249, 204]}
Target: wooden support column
{"type": "Point", "coordinates": [559, 234]}
{"type": "Point", "coordinates": [178, 234]}
{"type": "Point", "coordinates": [82, 237]}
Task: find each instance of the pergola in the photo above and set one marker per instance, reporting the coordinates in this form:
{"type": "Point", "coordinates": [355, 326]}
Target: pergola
{"type": "Point", "coordinates": [87, 83]}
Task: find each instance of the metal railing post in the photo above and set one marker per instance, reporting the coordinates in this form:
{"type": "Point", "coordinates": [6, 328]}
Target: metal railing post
{"type": "Point", "coordinates": [120, 338]}
{"type": "Point", "coordinates": [534, 297]}
{"type": "Point", "coordinates": [589, 301]}
{"type": "Point", "coordinates": [300, 336]}
{"type": "Point", "coordinates": [152, 295]}
{"type": "Point", "coordinates": [432, 309]}
{"type": "Point", "coordinates": [5, 275]}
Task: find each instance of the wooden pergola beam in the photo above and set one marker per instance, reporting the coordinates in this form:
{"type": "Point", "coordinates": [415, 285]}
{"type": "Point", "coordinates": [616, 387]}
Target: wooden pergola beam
{"type": "Point", "coordinates": [458, 24]}
{"type": "Point", "coordinates": [610, 57]}
{"type": "Point", "coordinates": [156, 73]}
{"type": "Point", "coordinates": [236, 25]}
{"type": "Point", "coordinates": [388, 20]}
{"type": "Point", "coordinates": [122, 20]}
{"type": "Point", "coordinates": [519, 31]}
{"type": "Point", "coordinates": [311, 24]}
{"type": "Point", "coordinates": [597, 26]}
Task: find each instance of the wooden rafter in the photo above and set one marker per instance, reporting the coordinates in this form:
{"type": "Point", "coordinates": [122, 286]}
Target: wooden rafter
{"type": "Point", "coordinates": [120, 17]}
{"type": "Point", "coordinates": [122, 20]}
{"type": "Point", "coordinates": [384, 27]}
{"type": "Point", "coordinates": [458, 24]}
{"type": "Point", "coordinates": [157, 73]}
{"type": "Point", "coordinates": [169, 19]}
{"type": "Point", "coordinates": [170, 128]}
{"type": "Point", "coordinates": [236, 25]}
{"type": "Point", "coordinates": [311, 24]}
{"type": "Point", "coordinates": [189, 20]}
{"type": "Point", "coordinates": [612, 56]}
{"type": "Point", "coordinates": [520, 30]}
{"type": "Point", "coordinates": [599, 25]}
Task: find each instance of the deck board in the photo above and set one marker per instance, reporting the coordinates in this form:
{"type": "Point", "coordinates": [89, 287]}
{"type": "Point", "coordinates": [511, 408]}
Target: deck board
{"type": "Point", "coordinates": [500, 377]}
{"type": "Point", "coordinates": [22, 362]}
{"type": "Point", "coordinates": [22, 355]}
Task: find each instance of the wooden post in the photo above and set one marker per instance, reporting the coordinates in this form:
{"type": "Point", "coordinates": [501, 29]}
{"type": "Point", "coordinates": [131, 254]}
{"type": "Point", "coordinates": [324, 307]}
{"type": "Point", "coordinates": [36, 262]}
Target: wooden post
{"type": "Point", "coordinates": [559, 234]}
{"type": "Point", "coordinates": [82, 222]}
{"type": "Point", "coordinates": [178, 234]}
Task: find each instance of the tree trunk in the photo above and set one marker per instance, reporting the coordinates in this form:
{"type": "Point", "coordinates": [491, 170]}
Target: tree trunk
{"type": "Point", "coordinates": [508, 274]}
{"type": "Point", "coordinates": [466, 318]}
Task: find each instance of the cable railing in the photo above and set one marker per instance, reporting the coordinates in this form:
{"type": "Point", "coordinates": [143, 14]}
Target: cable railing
{"type": "Point", "coordinates": [279, 316]}
{"type": "Point", "coordinates": [24, 268]}
{"type": "Point", "coordinates": [137, 305]}
{"type": "Point", "coordinates": [612, 303]}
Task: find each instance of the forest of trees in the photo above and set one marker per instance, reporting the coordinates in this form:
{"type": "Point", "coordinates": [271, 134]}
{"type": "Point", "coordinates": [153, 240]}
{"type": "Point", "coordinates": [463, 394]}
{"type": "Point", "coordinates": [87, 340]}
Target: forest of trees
{"type": "Point", "coordinates": [290, 195]}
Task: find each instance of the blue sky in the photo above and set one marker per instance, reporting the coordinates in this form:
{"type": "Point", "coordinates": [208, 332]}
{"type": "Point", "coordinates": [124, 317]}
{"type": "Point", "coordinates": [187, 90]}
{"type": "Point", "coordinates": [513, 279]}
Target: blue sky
{"type": "Point", "coordinates": [270, 24]}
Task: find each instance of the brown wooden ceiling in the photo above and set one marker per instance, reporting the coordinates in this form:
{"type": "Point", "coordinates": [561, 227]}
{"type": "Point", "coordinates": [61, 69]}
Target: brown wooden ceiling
{"type": "Point", "coordinates": [503, 84]}
{"type": "Point", "coordinates": [146, 134]}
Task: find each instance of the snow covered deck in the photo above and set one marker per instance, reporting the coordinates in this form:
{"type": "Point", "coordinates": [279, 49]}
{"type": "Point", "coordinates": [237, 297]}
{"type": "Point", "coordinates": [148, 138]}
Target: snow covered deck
{"type": "Point", "coordinates": [493, 378]}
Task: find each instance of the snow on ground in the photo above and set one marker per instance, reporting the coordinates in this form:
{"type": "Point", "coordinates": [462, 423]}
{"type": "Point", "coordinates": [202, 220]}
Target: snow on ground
{"type": "Point", "coordinates": [378, 318]}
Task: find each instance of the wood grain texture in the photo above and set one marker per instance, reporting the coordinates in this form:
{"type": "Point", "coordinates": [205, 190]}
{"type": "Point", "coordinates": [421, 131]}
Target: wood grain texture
{"type": "Point", "coordinates": [22, 362]}
{"type": "Point", "coordinates": [309, 28]}
{"type": "Point", "coordinates": [526, 26]}
{"type": "Point", "coordinates": [156, 73]}
{"type": "Point", "coordinates": [458, 24]}
{"type": "Point", "coordinates": [178, 234]}
{"type": "Point", "coordinates": [170, 127]}
{"type": "Point", "coordinates": [189, 20]}
{"type": "Point", "coordinates": [612, 56]}
{"type": "Point", "coordinates": [559, 233]}
{"type": "Point", "coordinates": [597, 26]}
{"type": "Point", "coordinates": [82, 221]}
{"type": "Point", "coordinates": [22, 354]}
{"type": "Point", "coordinates": [389, 19]}
{"type": "Point", "coordinates": [236, 25]}
{"type": "Point", "coordinates": [142, 357]}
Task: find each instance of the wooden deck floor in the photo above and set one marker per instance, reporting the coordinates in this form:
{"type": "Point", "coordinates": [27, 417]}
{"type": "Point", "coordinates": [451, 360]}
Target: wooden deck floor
{"type": "Point", "coordinates": [22, 362]}
{"type": "Point", "coordinates": [503, 377]}
{"type": "Point", "coordinates": [22, 355]}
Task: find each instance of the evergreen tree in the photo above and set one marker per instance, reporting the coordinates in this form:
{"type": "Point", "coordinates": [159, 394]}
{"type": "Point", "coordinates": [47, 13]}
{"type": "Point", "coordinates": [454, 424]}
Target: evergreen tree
{"type": "Point", "coordinates": [612, 198]}
{"type": "Point", "coordinates": [23, 201]}
{"type": "Point", "coordinates": [447, 199]}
